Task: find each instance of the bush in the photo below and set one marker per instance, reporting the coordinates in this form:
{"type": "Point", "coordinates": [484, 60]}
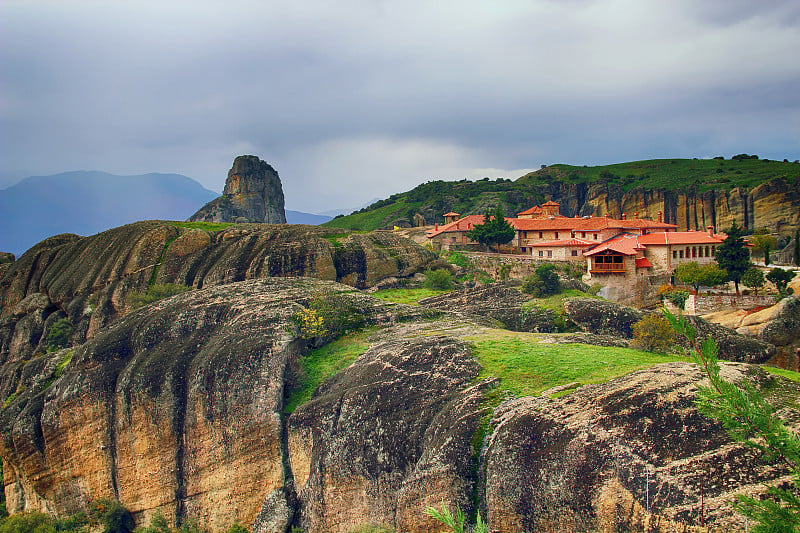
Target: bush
{"type": "Point", "coordinates": [439, 280]}
{"type": "Point", "coordinates": [543, 282]}
{"type": "Point", "coordinates": [328, 317]}
{"type": "Point", "coordinates": [158, 524]}
{"type": "Point", "coordinates": [654, 334]}
{"type": "Point", "coordinates": [112, 516]}
{"type": "Point", "coordinates": [675, 296]}
{"type": "Point", "coordinates": [58, 335]}
{"type": "Point", "coordinates": [156, 292]}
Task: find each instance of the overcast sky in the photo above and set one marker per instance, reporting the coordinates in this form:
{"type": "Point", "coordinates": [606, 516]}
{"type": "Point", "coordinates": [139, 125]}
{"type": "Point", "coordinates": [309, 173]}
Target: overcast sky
{"type": "Point", "coordinates": [352, 100]}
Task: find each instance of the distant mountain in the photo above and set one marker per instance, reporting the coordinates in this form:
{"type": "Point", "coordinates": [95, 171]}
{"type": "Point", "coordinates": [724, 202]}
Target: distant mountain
{"type": "Point", "coordinates": [88, 202]}
{"type": "Point", "coordinates": [298, 217]}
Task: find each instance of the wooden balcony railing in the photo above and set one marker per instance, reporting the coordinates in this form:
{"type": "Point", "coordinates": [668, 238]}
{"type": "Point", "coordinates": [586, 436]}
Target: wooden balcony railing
{"type": "Point", "coordinates": [607, 268]}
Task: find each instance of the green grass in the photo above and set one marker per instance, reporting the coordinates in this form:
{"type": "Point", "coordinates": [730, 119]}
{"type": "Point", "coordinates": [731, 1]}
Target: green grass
{"type": "Point", "coordinates": [788, 374]}
{"type": "Point", "coordinates": [526, 367]}
{"type": "Point", "coordinates": [322, 363]}
{"type": "Point", "coordinates": [207, 226]}
{"type": "Point", "coordinates": [556, 301]}
{"type": "Point", "coordinates": [406, 296]}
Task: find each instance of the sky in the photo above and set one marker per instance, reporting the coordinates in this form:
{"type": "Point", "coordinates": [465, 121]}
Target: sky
{"type": "Point", "coordinates": [354, 100]}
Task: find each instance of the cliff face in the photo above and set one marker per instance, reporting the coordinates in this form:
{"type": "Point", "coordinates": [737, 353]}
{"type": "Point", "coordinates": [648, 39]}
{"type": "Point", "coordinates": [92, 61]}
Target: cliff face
{"type": "Point", "coordinates": [253, 193]}
{"type": "Point", "coordinates": [774, 205]}
{"type": "Point", "coordinates": [88, 280]}
{"type": "Point", "coordinates": [179, 407]}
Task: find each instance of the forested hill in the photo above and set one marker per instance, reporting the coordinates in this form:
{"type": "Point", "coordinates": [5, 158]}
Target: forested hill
{"type": "Point", "coordinates": [690, 192]}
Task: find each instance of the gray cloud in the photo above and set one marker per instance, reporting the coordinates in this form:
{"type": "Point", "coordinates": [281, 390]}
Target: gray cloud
{"type": "Point", "coordinates": [357, 99]}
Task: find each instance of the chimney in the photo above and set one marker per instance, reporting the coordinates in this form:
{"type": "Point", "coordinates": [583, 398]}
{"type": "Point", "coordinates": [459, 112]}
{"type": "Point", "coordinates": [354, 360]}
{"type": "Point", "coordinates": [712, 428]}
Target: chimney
{"type": "Point", "coordinates": [623, 216]}
{"type": "Point", "coordinates": [436, 227]}
{"type": "Point", "coordinates": [710, 230]}
{"type": "Point", "coordinates": [660, 216]}
{"type": "Point", "coordinates": [636, 215]}
{"type": "Point", "coordinates": [608, 216]}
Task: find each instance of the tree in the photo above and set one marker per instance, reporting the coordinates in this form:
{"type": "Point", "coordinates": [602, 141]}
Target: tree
{"type": "Point", "coordinates": [654, 334]}
{"type": "Point", "coordinates": [543, 282]}
{"type": "Point", "coordinates": [708, 275]}
{"type": "Point", "coordinates": [733, 255]}
{"type": "Point", "coordinates": [754, 279]}
{"type": "Point", "coordinates": [750, 420]}
{"type": "Point", "coordinates": [781, 279]}
{"type": "Point", "coordinates": [763, 242]}
{"type": "Point", "coordinates": [494, 230]}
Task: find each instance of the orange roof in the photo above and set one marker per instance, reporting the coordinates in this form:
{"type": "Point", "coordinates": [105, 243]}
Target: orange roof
{"type": "Point", "coordinates": [681, 237]}
{"type": "Point", "coordinates": [551, 202]}
{"type": "Point", "coordinates": [462, 224]}
{"type": "Point", "coordinates": [624, 244]}
{"type": "Point", "coordinates": [588, 224]}
{"type": "Point", "coordinates": [643, 262]}
{"type": "Point", "coordinates": [452, 214]}
{"type": "Point", "coordinates": [535, 210]}
{"type": "Point", "coordinates": [565, 242]}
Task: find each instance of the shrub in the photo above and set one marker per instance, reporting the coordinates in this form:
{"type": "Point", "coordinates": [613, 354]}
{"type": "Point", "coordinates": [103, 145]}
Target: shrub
{"type": "Point", "coordinates": [112, 516]}
{"type": "Point", "coordinates": [58, 335]}
{"type": "Point", "coordinates": [237, 528]}
{"type": "Point", "coordinates": [158, 524]}
{"type": "Point", "coordinates": [439, 279]}
{"type": "Point", "coordinates": [675, 296]}
{"type": "Point", "coordinates": [327, 317]}
{"type": "Point", "coordinates": [653, 333]}
{"type": "Point", "coordinates": [543, 282]}
{"type": "Point", "coordinates": [754, 279]}
{"type": "Point", "coordinates": [156, 292]}
{"type": "Point", "coordinates": [781, 279]}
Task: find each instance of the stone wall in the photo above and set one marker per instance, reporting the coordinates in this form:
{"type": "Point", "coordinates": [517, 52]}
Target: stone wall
{"type": "Point", "coordinates": [518, 266]}
{"type": "Point", "coordinates": [708, 303]}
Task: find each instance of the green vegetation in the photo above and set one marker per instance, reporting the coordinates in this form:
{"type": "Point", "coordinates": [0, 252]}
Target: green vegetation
{"type": "Point", "coordinates": [438, 280]}
{"type": "Point", "coordinates": [675, 296]}
{"type": "Point", "coordinates": [457, 522]}
{"type": "Point", "coordinates": [695, 274]}
{"type": "Point", "coordinates": [654, 334]}
{"type": "Point", "coordinates": [494, 230]}
{"type": "Point", "coordinates": [327, 317]}
{"type": "Point", "coordinates": [527, 367]}
{"type": "Point", "coordinates": [542, 282]}
{"type": "Point", "coordinates": [781, 279]}
{"type": "Point", "coordinates": [207, 226]}
{"type": "Point", "coordinates": [59, 334]}
{"type": "Point", "coordinates": [733, 255]}
{"type": "Point", "coordinates": [322, 363]}
{"type": "Point", "coordinates": [749, 419]}
{"type": "Point", "coordinates": [156, 292]}
{"type": "Point", "coordinates": [763, 242]}
{"type": "Point", "coordinates": [788, 374]}
{"type": "Point", "coordinates": [753, 278]}
{"type": "Point", "coordinates": [434, 198]}
{"type": "Point", "coordinates": [406, 296]}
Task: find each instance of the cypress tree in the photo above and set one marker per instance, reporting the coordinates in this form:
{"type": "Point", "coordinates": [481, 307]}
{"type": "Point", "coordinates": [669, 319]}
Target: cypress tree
{"type": "Point", "coordinates": [797, 248]}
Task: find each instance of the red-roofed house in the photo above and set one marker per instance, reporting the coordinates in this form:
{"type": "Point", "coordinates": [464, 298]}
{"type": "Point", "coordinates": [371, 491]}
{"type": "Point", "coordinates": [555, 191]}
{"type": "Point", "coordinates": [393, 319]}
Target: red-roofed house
{"type": "Point", "coordinates": [563, 250]}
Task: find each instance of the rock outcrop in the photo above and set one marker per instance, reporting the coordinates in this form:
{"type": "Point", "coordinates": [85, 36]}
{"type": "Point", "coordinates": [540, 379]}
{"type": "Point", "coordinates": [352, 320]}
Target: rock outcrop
{"type": "Point", "coordinates": [180, 408]}
{"type": "Point", "coordinates": [609, 318]}
{"type": "Point", "coordinates": [6, 260]}
{"type": "Point", "coordinates": [499, 301]}
{"type": "Point", "coordinates": [253, 193]}
{"type": "Point", "coordinates": [581, 462]}
{"type": "Point", "coordinates": [88, 279]}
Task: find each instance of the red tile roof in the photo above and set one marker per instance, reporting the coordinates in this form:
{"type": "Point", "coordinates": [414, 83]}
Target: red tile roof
{"type": "Point", "coordinates": [535, 210]}
{"type": "Point", "coordinates": [551, 202]}
{"type": "Point", "coordinates": [681, 237]}
{"type": "Point", "coordinates": [452, 214]}
{"type": "Point", "coordinates": [643, 262]}
{"type": "Point", "coordinates": [462, 224]}
{"type": "Point", "coordinates": [624, 244]}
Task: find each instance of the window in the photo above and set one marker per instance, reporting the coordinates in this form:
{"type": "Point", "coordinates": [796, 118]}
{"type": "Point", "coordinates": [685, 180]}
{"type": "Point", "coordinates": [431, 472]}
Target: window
{"type": "Point", "coordinates": [595, 236]}
{"type": "Point", "coordinates": [694, 251]}
{"type": "Point", "coordinates": [674, 254]}
{"type": "Point", "coordinates": [541, 253]}
{"type": "Point", "coordinates": [549, 253]}
{"type": "Point", "coordinates": [713, 250]}
{"type": "Point", "coordinates": [583, 235]}
{"type": "Point", "coordinates": [681, 254]}
{"type": "Point", "coordinates": [556, 235]}
{"type": "Point", "coordinates": [574, 253]}
{"type": "Point", "coordinates": [540, 234]}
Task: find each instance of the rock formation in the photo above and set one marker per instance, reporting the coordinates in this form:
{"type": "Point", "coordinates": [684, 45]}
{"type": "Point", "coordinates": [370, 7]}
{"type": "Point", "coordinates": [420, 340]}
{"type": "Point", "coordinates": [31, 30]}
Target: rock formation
{"type": "Point", "coordinates": [180, 407]}
{"type": "Point", "coordinates": [253, 193]}
{"type": "Point", "coordinates": [88, 279]}
{"type": "Point", "coordinates": [610, 318]}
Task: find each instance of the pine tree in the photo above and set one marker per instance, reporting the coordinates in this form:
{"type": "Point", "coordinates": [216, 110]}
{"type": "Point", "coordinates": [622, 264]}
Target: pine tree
{"type": "Point", "coordinates": [733, 255]}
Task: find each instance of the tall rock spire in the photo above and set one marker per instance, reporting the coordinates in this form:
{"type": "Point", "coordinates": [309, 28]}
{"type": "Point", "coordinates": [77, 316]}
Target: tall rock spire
{"type": "Point", "coordinates": [253, 193]}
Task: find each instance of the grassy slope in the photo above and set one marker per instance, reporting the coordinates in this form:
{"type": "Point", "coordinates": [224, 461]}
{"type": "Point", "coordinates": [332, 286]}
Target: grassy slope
{"type": "Point", "coordinates": [526, 366]}
{"type": "Point", "coordinates": [469, 197]}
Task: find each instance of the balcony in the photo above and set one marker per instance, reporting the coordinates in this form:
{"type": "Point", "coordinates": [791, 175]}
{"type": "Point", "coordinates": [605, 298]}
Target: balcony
{"type": "Point", "coordinates": [607, 268]}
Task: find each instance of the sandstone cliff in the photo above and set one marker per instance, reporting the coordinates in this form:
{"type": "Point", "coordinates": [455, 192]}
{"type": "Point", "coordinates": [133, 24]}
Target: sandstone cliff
{"type": "Point", "coordinates": [88, 279]}
{"type": "Point", "coordinates": [253, 193]}
{"type": "Point", "coordinates": [179, 407]}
